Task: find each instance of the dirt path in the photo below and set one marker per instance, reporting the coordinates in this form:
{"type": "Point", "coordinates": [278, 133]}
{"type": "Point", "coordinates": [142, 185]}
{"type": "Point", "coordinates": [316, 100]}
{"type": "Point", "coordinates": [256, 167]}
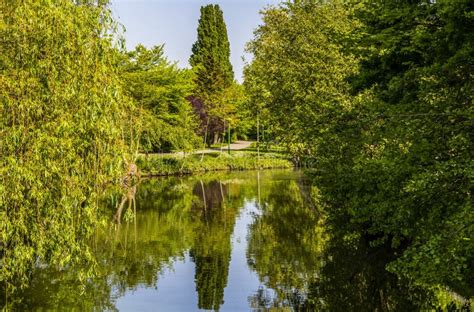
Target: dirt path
{"type": "Point", "coordinates": [237, 145]}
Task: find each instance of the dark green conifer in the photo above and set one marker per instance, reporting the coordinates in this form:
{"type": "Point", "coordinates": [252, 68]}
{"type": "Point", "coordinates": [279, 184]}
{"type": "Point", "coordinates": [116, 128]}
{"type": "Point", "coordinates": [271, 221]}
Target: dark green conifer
{"type": "Point", "coordinates": [210, 59]}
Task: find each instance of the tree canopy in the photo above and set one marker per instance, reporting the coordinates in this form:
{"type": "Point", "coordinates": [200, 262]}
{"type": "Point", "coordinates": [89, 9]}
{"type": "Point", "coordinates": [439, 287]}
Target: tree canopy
{"type": "Point", "coordinates": [378, 97]}
{"type": "Point", "coordinates": [374, 97]}
{"type": "Point", "coordinates": [161, 90]}
{"type": "Point", "coordinates": [214, 75]}
{"type": "Point", "coordinates": [61, 118]}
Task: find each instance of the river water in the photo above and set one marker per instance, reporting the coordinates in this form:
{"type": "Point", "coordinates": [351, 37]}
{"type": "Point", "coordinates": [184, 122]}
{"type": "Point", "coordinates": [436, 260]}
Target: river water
{"type": "Point", "coordinates": [229, 242]}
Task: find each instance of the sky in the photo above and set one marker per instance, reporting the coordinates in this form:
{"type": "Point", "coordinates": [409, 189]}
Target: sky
{"type": "Point", "coordinates": [174, 24]}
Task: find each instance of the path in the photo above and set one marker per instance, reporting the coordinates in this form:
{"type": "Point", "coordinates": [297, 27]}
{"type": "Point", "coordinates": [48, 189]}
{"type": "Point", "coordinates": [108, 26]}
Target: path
{"type": "Point", "coordinates": [236, 146]}
{"type": "Point", "coordinates": [239, 145]}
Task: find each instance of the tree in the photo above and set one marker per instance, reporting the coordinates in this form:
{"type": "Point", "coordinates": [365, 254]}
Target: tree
{"type": "Point", "coordinates": [210, 60]}
{"type": "Point", "coordinates": [380, 95]}
{"type": "Point", "coordinates": [417, 160]}
{"type": "Point", "coordinates": [231, 100]}
{"type": "Point", "coordinates": [161, 89]}
{"type": "Point", "coordinates": [60, 123]}
{"type": "Point", "coordinates": [298, 72]}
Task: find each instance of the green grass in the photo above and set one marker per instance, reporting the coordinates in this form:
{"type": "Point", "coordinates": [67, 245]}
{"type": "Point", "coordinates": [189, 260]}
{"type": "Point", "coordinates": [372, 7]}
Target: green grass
{"type": "Point", "coordinates": [163, 165]}
{"type": "Point", "coordinates": [219, 145]}
{"type": "Point", "coordinates": [265, 148]}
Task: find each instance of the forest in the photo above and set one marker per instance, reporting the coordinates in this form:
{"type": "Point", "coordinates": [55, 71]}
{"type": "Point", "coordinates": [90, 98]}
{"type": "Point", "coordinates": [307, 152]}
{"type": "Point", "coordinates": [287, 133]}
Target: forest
{"type": "Point", "coordinates": [373, 99]}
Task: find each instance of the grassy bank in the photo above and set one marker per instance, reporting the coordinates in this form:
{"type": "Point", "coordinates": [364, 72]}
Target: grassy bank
{"type": "Point", "coordinates": [163, 165]}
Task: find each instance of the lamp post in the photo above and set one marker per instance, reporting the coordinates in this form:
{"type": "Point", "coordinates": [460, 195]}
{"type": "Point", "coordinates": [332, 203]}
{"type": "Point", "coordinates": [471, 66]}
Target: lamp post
{"type": "Point", "coordinates": [258, 139]}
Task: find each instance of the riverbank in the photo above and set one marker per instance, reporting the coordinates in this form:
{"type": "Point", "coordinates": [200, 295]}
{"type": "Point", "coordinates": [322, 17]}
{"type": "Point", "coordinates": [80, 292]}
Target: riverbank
{"type": "Point", "coordinates": [167, 165]}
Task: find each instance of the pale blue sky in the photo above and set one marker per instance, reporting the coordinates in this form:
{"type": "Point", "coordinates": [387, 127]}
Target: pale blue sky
{"type": "Point", "coordinates": [174, 23]}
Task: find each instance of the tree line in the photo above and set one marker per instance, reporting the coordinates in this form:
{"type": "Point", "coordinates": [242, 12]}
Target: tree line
{"type": "Point", "coordinates": [377, 96]}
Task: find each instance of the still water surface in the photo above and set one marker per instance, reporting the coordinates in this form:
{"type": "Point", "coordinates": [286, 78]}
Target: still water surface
{"type": "Point", "coordinates": [217, 221]}
{"type": "Point", "coordinates": [225, 241]}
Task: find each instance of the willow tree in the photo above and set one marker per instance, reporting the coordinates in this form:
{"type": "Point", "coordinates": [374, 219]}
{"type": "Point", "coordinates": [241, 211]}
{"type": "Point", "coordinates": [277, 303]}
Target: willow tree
{"type": "Point", "coordinates": [211, 60]}
{"type": "Point", "coordinates": [60, 137]}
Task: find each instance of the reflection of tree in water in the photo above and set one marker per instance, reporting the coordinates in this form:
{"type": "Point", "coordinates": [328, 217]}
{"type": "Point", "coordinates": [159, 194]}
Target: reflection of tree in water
{"type": "Point", "coordinates": [171, 217]}
{"type": "Point", "coordinates": [262, 298]}
{"type": "Point", "coordinates": [285, 245]}
{"type": "Point", "coordinates": [161, 232]}
{"type": "Point", "coordinates": [211, 278]}
{"type": "Point", "coordinates": [128, 196]}
{"type": "Point", "coordinates": [300, 266]}
{"type": "Point", "coordinates": [127, 255]}
{"type": "Point", "coordinates": [53, 290]}
{"type": "Point", "coordinates": [212, 246]}
{"type": "Point", "coordinates": [314, 270]}
{"type": "Point", "coordinates": [354, 278]}
{"type": "Point", "coordinates": [265, 300]}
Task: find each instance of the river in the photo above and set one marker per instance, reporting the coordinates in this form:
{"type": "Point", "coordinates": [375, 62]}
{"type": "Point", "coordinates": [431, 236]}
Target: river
{"type": "Point", "coordinates": [225, 241]}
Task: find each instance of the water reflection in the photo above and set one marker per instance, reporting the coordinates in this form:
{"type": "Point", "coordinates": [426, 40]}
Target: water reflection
{"type": "Point", "coordinates": [285, 245]}
{"type": "Point", "coordinates": [128, 196]}
{"type": "Point", "coordinates": [354, 278]}
{"type": "Point", "coordinates": [232, 242]}
{"type": "Point", "coordinates": [215, 217]}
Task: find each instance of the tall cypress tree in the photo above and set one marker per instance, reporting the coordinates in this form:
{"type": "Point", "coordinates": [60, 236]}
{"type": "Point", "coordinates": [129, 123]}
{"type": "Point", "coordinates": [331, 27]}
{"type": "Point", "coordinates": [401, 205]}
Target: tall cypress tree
{"type": "Point", "coordinates": [210, 59]}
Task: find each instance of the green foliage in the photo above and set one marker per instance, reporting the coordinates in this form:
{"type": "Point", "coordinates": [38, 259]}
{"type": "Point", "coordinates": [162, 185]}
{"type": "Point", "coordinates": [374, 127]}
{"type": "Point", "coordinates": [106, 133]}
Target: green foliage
{"type": "Point", "coordinates": [170, 165]}
{"type": "Point", "coordinates": [376, 94]}
{"type": "Point", "coordinates": [379, 95]}
{"type": "Point", "coordinates": [211, 52]}
{"type": "Point", "coordinates": [216, 97]}
{"type": "Point", "coordinates": [160, 88]}
{"type": "Point", "coordinates": [231, 100]}
{"type": "Point", "coordinates": [296, 82]}
{"type": "Point", "coordinates": [60, 124]}
{"type": "Point", "coordinates": [416, 163]}
{"type": "Point", "coordinates": [284, 263]}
